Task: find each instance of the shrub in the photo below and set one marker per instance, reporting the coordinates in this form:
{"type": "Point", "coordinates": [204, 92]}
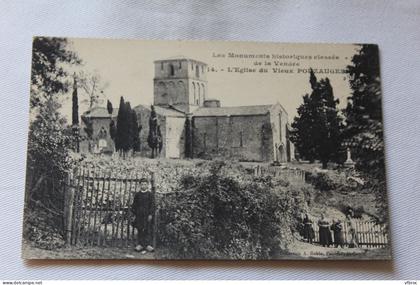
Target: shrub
{"type": "Point", "coordinates": [217, 215]}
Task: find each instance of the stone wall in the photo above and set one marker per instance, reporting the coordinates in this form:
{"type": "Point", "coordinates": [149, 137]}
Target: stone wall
{"type": "Point", "coordinates": [247, 138]}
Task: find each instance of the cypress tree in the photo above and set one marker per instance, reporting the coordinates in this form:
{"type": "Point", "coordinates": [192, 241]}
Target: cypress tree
{"type": "Point", "coordinates": [129, 127]}
{"type": "Point", "coordinates": [363, 132]}
{"type": "Point", "coordinates": [122, 127]}
{"type": "Point", "coordinates": [75, 103]}
{"type": "Point", "coordinates": [318, 126]}
{"type": "Point", "coordinates": [135, 130]}
{"type": "Point", "coordinates": [109, 107]}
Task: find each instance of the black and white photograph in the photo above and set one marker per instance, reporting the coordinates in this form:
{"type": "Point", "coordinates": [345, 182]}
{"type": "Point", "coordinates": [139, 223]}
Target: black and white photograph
{"type": "Point", "coordinates": [205, 150]}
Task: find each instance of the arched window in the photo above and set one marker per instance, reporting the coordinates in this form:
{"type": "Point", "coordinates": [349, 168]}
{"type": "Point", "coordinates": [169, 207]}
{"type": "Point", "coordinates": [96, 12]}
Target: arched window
{"type": "Point", "coordinates": [194, 92]}
{"type": "Point", "coordinates": [171, 70]}
{"type": "Point", "coordinates": [197, 71]}
{"type": "Point", "coordinates": [181, 90]}
{"type": "Point", "coordinates": [163, 92]}
{"type": "Point", "coordinates": [203, 92]}
{"type": "Point", "coordinates": [199, 95]}
{"type": "Point", "coordinates": [171, 93]}
{"type": "Point", "coordinates": [102, 133]}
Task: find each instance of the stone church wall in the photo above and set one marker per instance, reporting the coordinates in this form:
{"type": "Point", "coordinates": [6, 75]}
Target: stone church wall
{"type": "Point", "coordinates": [246, 138]}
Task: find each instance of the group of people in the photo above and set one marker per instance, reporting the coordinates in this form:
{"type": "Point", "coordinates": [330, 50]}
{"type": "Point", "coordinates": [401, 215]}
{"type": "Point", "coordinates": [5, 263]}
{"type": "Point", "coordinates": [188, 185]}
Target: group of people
{"type": "Point", "coordinates": [329, 230]}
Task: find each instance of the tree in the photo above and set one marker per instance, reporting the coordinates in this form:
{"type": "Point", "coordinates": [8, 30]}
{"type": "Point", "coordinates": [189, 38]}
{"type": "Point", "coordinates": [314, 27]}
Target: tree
{"type": "Point", "coordinates": [135, 131]}
{"type": "Point", "coordinates": [113, 131]}
{"type": "Point", "coordinates": [122, 127]}
{"type": "Point", "coordinates": [75, 104]}
{"type": "Point", "coordinates": [129, 121]}
{"type": "Point", "coordinates": [75, 114]}
{"type": "Point", "coordinates": [49, 141]}
{"type": "Point", "coordinates": [50, 138]}
{"type": "Point", "coordinates": [318, 126]}
{"type": "Point", "coordinates": [48, 73]}
{"type": "Point", "coordinates": [93, 87]}
{"type": "Point", "coordinates": [126, 133]}
{"type": "Point", "coordinates": [109, 107]}
{"type": "Point", "coordinates": [154, 138]}
{"type": "Point", "coordinates": [363, 131]}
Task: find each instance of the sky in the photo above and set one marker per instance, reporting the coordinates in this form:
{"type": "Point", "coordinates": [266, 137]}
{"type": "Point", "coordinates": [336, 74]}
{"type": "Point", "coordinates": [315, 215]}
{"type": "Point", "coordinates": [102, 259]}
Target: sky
{"type": "Point", "coordinates": [126, 67]}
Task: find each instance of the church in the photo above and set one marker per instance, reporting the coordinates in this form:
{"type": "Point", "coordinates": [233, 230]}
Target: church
{"type": "Point", "coordinates": [195, 126]}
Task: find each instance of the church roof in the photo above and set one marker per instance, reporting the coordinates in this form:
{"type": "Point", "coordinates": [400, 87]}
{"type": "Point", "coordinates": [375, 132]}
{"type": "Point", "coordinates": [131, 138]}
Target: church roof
{"type": "Point", "coordinates": [163, 111]}
{"type": "Point", "coordinates": [100, 112]}
{"type": "Point", "coordinates": [232, 111]}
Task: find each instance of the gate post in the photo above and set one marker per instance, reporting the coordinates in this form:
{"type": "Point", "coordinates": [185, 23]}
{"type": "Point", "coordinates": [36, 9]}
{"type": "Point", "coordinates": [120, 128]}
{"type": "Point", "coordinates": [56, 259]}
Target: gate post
{"type": "Point", "coordinates": [68, 208]}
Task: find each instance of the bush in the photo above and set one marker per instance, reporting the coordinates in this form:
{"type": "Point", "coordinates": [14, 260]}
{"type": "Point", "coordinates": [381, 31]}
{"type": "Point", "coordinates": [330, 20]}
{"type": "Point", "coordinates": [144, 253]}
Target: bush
{"type": "Point", "coordinates": [329, 181]}
{"type": "Point", "coordinates": [217, 215]}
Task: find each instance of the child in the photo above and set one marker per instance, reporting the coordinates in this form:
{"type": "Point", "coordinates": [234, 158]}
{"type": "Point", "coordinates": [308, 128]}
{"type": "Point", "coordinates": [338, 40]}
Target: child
{"type": "Point", "coordinates": [142, 208]}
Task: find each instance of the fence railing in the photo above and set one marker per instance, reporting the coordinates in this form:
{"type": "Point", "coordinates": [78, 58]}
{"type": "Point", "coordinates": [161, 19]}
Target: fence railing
{"type": "Point", "coordinates": [368, 234]}
{"type": "Point", "coordinates": [97, 208]}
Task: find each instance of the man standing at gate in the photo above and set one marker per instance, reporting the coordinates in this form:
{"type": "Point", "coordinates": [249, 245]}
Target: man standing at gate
{"type": "Point", "coordinates": [143, 209]}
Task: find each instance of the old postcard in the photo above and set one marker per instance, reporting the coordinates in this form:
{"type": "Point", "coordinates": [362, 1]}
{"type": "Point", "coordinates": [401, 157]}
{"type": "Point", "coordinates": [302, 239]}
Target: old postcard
{"type": "Point", "coordinates": [204, 150]}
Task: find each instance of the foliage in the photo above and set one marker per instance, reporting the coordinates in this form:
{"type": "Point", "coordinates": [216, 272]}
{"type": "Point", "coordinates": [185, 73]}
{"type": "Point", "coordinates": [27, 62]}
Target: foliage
{"type": "Point", "coordinates": [88, 128]}
{"type": "Point", "coordinates": [109, 107]}
{"type": "Point", "coordinates": [75, 104]}
{"type": "Point", "coordinates": [219, 216]}
{"type": "Point", "coordinates": [127, 130]}
{"type": "Point", "coordinates": [93, 87]}
{"type": "Point", "coordinates": [318, 126]}
{"type": "Point", "coordinates": [113, 130]}
{"type": "Point", "coordinates": [328, 181]}
{"type": "Point", "coordinates": [363, 131]}
{"type": "Point", "coordinates": [364, 128]}
{"type": "Point", "coordinates": [50, 138]}
{"type": "Point", "coordinates": [49, 143]}
{"type": "Point", "coordinates": [134, 132]}
{"type": "Point", "coordinates": [121, 140]}
{"type": "Point", "coordinates": [48, 74]}
{"type": "Point", "coordinates": [154, 139]}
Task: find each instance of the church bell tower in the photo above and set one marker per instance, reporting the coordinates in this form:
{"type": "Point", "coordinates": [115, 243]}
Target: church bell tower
{"type": "Point", "coordinates": [180, 83]}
